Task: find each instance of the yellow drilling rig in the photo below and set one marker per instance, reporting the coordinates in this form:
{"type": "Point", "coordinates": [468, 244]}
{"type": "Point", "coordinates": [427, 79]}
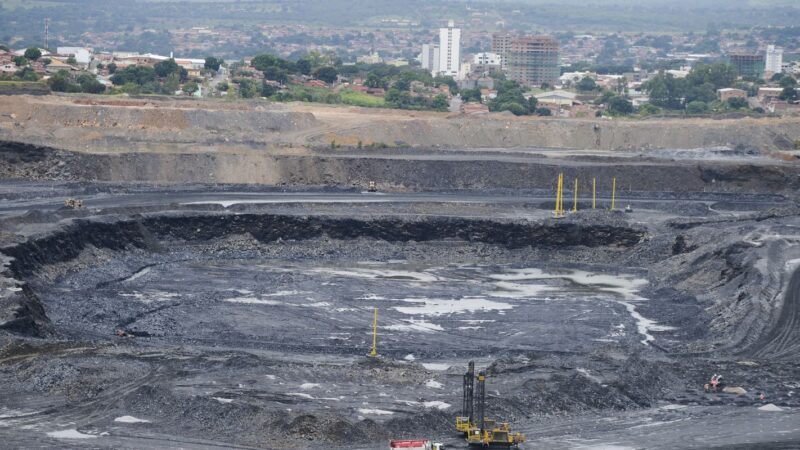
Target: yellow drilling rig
{"type": "Point", "coordinates": [480, 431]}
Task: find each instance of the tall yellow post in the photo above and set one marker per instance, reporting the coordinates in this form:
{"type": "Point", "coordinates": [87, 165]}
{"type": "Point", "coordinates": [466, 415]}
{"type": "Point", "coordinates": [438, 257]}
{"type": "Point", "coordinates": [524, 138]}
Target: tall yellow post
{"type": "Point", "coordinates": [613, 192]}
{"type": "Point", "coordinates": [374, 351]}
{"type": "Point", "coordinates": [558, 195]}
{"type": "Point", "coordinates": [594, 192]}
{"type": "Point", "coordinates": [575, 197]}
{"type": "Point", "coordinates": [561, 197]}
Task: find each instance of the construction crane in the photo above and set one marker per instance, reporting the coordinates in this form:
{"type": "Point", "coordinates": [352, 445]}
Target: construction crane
{"type": "Point", "coordinates": [480, 431]}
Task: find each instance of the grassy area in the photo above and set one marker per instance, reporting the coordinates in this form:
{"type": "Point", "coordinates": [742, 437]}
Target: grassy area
{"type": "Point", "coordinates": [361, 99]}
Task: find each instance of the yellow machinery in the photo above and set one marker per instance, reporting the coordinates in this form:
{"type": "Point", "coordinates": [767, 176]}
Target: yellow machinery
{"type": "Point", "coordinates": [73, 203]}
{"type": "Point", "coordinates": [480, 431]}
{"type": "Point", "coordinates": [466, 421]}
{"type": "Point", "coordinates": [374, 351]}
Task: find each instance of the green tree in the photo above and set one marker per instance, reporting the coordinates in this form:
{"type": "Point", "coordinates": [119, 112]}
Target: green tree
{"type": "Point", "coordinates": [89, 84]}
{"type": "Point", "coordinates": [268, 90]}
{"type": "Point", "coordinates": [788, 94]}
{"type": "Point", "coordinates": [665, 91]}
{"type": "Point", "coordinates": [112, 68]}
{"type": "Point", "coordinates": [471, 95]}
{"type": "Point", "coordinates": [20, 61]}
{"type": "Point", "coordinates": [166, 68]}
{"type": "Point", "coordinates": [619, 106]}
{"type": "Point", "coordinates": [327, 74]}
{"type": "Point", "coordinates": [375, 81]}
{"type": "Point", "coordinates": [696, 107]}
{"type": "Point", "coordinates": [275, 73]}
{"type": "Point", "coordinates": [190, 88]}
{"type": "Point", "coordinates": [72, 60]}
{"type": "Point", "coordinates": [304, 66]}
{"type": "Point", "coordinates": [787, 81]}
{"type": "Point", "coordinates": [718, 75]}
{"type": "Point", "coordinates": [33, 53]}
{"type": "Point", "coordinates": [223, 86]}
{"type": "Point", "coordinates": [213, 63]}
{"type": "Point", "coordinates": [737, 102]}
{"type": "Point", "coordinates": [586, 84]}
{"type": "Point", "coordinates": [59, 82]}
{"type": "Point", "coordinates": [544, 112]}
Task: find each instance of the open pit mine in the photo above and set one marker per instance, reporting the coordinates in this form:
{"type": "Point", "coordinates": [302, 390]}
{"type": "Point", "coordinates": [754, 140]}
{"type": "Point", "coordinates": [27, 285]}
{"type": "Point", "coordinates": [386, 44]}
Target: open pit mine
{"type": "Point", "coordinates": [205, 275]}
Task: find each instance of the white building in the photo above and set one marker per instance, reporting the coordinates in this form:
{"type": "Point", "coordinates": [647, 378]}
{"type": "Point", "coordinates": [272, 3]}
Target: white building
{"type": "Point", "coordinates": [82, 55]}
{"type": "Point", "coordinates": [430, 58]}
{"type": "Point", "coordinates": [774, 63]}
{"type": "Point", "coordinates": [372, 58]}
{"type": "Point", "coordinates": [486, 59]}
{"type": "Point", "coordinates": [450, 50]}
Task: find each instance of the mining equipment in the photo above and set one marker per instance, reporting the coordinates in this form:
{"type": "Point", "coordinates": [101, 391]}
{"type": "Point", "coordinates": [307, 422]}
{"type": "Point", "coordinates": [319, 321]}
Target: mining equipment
{"type": "Point", "coordinates": [412, 444]}
{"type": "Point", "coordinates": [73, 203]}
{"type": "Point", "coordinates": [628, 209]}
{"type": "Point", "coordinates": [480, 431]}
{"type": "Point", "coordinates": [466, 421]}
{"type": "Point", "coordinates": [372, 187]}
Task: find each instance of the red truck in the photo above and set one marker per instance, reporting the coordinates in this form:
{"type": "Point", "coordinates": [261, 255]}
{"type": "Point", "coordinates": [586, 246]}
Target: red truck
{"type": "Point", "coordinates": [414, 444]}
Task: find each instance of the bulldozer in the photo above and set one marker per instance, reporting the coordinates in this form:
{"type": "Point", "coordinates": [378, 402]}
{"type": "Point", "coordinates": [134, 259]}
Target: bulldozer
{"type": "Point", "coordinates": [480, 431]}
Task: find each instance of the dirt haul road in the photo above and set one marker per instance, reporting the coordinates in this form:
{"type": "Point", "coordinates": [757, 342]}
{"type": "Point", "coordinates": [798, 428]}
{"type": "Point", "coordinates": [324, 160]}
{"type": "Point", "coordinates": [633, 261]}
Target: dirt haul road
{"type": "Point", "coordinates": [102, 124]}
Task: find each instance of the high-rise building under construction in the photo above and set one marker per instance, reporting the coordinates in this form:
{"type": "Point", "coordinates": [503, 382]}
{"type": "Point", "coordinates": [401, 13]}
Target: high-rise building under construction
{"type": "Point", "coordinates": [529, 60]}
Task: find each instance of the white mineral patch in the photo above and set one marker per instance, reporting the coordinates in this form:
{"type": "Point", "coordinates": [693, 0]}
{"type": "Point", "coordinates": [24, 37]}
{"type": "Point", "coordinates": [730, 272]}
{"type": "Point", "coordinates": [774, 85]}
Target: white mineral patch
{"type": "Point", "coordinates": [436, 366]}
{"type": "Point", "coordinates": [508, 289]}
{"type": "Point", "coordinates": [409, 357]}
{"type": "Point", "coordinates": [130, 419]}
{"type": "Point", "coordinates": [223, 400]}
{"type": "Point", "coordinates": [436, 404]}
{"type": "Point", "coordinates": [139, 274]}
{"type": "Point", "coordinates": [376, 274]}
{"type": "Point", "coordinates": [301, 395]}
{"type": "Point", "coordinates": [253, 301]}
{"type": "Point", "coordinates": [770, 407]}
{"type": "Point", "coordinates": [377, 412]}
{"type": "Point", "coordinates": [433, 384]}
{"type": "Point", "coordinates": [285, 293]}
{"type": "Point", "coordinates": [70, 434]}
{"type": "Point", "coordinates": [306, 386]}
{"type": "Point", "coordinates": [419, 326]}
{"type": "Point", "coordinates": [438, 307]}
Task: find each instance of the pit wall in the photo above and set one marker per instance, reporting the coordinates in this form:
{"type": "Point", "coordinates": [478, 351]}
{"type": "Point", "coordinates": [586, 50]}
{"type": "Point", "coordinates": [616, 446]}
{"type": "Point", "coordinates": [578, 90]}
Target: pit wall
{"type": "Point", "coordinates": [390, 172]}
{"type": "Point", "coordinates": [21, 311]}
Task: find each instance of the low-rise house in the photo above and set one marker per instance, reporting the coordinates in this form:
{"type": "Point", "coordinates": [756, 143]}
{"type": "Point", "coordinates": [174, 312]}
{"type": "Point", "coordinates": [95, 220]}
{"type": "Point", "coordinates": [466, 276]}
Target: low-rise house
{"type": "Point", "coordinates": [560, 98]}
{"type": "Point", "coordinates": [474, 108]}
{"type": "Point", "coordinates": [768, 93]}
{"type": "Point", "coordinates": [726, 93]}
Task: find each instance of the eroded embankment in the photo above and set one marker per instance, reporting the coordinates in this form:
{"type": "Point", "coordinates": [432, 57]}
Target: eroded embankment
{"type": "Point", "coordinates": [391, 170]}
{"type": "Point", "coordinates": [23, 312]}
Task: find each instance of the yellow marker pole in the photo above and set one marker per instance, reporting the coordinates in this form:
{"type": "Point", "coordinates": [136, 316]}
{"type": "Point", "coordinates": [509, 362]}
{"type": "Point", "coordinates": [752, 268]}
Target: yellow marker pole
{"type": "Point", "coordinates": [561, 197]}
{"type": "Point", "coordinates": [575, 197]}
{"type": "Point", "coordinates": [374, 351]}
{"type": "Point", "coordinates": [613, 192]}
{"type": "Point", "coordinates": [594, 193]}
{"type": "Point", "coordinates": [558, 194]}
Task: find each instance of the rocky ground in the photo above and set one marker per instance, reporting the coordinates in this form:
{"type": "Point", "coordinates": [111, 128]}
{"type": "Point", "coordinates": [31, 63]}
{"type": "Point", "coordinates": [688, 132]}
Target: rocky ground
{"type": "Point", "coordinates": [249, 322]}
{"type": "Point", "coordinates": [217, 288]}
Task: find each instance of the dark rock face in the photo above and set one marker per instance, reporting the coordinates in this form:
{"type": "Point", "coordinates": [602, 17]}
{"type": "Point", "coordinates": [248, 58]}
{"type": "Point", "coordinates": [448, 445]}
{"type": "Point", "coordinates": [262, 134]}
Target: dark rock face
{"type": "Point", "coordinates": [24, 313]}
